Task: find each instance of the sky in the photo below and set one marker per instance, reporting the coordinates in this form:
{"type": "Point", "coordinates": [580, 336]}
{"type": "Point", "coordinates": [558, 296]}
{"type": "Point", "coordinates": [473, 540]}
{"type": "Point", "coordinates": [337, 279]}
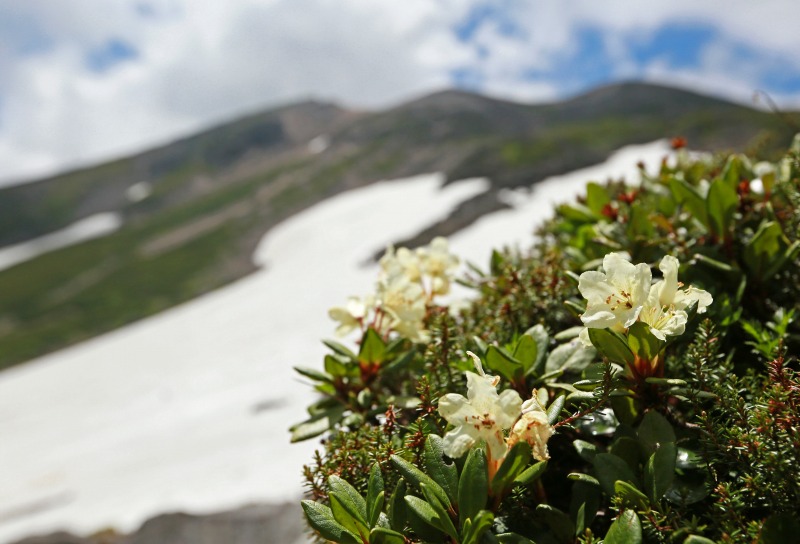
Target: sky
{"type": "Point", "coordinates": [86, 80]}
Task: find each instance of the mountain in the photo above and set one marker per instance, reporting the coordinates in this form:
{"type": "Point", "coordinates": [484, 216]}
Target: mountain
{"type": "Point", "coordinates": [193, 210]}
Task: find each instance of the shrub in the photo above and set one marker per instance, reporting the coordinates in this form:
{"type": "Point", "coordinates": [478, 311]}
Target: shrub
{"type": "Point", "coordinates": [605, 399]}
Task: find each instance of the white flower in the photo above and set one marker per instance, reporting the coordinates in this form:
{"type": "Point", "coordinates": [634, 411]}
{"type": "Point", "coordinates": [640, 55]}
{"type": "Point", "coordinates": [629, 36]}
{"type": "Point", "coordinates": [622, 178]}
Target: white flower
{"type": "Point", "coordinates": [616, 297]}
{"type": "Point", "coordinates": [437, 262]}
{"type": "Point", "coordinates": [482, 415]}
{"type": "Point", "coordinates": [401, 262]}
{"type": "Point", "coordinates": [350, 316]}
{"type": "Point", "coordinates": [533, 427]}
{"type": "Point", "coordinates": [665, 310]}
{"type": "Point", "coordinates": [403, 301]}
{"type": "Point", "coordinates": [669, 293]}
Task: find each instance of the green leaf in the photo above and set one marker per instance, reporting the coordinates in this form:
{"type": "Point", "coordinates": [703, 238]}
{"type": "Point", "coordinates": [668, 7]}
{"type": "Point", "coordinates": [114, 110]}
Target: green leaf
{"type": "Point", "coordinates": [642, 342]}
{"type": "Point", "coordinates": [481, 346]}
{"type": "Point", "coordinates": [531, 474]}
{"type": "Point", "coordinates": [403, 402]}
{"type": "Point", "coordinates": [631, 496]}
{"type": "Point", "coordinates": [659, 472]}
{"type": "Point", "coordinates": [336, 367]}
{"type": "Point", "coordinates": [473, 485]}
{"type": "Point", "coordinates": [397, 507]}
{"type": "Point", "coordinates": [687, 488]}
{"type": "Point", "coordinates": [628, 449]}
{"type": "Point", "coordinates": [612, 346]}
{"type": "Point", "coordinates": [721, 205]}
{"type": "Point", "coordinates": [780, 528]}
{"type": "Point", "coordinates": [597, 198]}
{"type": "Point", "coordinates": [576, 213]}
{"type": "Point", "coordinates": [382, 535]}
{"type": "Point", "coordinates": [444, 474]}
{"type": "Point", "coordinates": [788, 256]}
{"type": "Point", "coordinates": [401, 361]}
{"type": "Point", "coordinates": [584, 504]}
{"type": "Point", "coordinates": [733, 170]}
{"type": "Point", "coordinates": [496, 263]}
{"type": "Point", "coordinates": [315, 375]}
{"type": "Point", "coordinates": [504, 364]}
{"type": "Point", "coordinates": [416, 477]}
{"type": "Point", "coordinates": [526, 352]}
{"type": "Point", "coordinates": [373, 348]}
{"type": "Point", "coordinates": [572, 357]}
{"type": "Point", "coordinates": [581, 477]}
{"type": "Point", "coordinates": [666, 381]}
{"type": "Point", "coordinates": [554, 410]}
{"type": "Point", "coordinates": [766, 253]}
{"type": "Point", "coordinates": [344, 513]}
{"type": "Point", "coordinates": [586, 450]}
{"type": "Point", "coordinates": [624, 408]}
{"type": "Point", "coordinates": [694, 539]}
{"type": "Point", "coordinates": [513, 464]}
{"type": "Point", "coordinates": [609, 469]}
{"type": "Point", "coordinates": [317, 424]}
{"type": "Point", "coordinates": [375, 494]}
{"type": "Point", "coordinates": [350, 495]}
{"type": "Point", "coordinates": [542, 339]}
{"type": "Point", "coordinates": [654, 431]}
{"type": "Point", "coordinates": [639, 223]}
{"type": "Point", "coordinates": [340, 349]}
{"type": "Point", "coordinates": [348, 506]}
{"type": "Point", "coordinates": [560, 523]}
{"type": "Point", "coordinates": [429, 515]}
{"type": "Point", "coordinates": [513, 538]}
{"type": "Point", "coordinates": [476, 527]}
{"type": "Point", "coordinates": [626, 529]}
{"type": "Point", "coordinates": [320, 518]}
{"type": "Point", "coordinates": [441, 511]}
{"type": "Point", "coordinates": [688, 196]}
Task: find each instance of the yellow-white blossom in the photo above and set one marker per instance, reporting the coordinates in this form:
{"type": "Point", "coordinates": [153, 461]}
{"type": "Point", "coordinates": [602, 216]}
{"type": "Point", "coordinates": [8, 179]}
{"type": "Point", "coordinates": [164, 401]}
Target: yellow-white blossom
{"type": "Point", "coordinates": [533, 427]}
{"type": "Point", "coordinates": [350, 316]}
{"type": "Point", "coordinates": [482, 415]}
{"type": "Point", "coordinates": [624, 295]}
{"type": "Point", "coordinates": [665, 309]}
{"type": "Point", "coordinates": [403, 301]}
{"type": "Point", "coordinates": [437, 262]}
{"type": "Point", "coordinates": [407, 284]}
{"type": "Point", "coordinates": [401, 262]}
{"type": "Point", "coordinates": [616, 297]}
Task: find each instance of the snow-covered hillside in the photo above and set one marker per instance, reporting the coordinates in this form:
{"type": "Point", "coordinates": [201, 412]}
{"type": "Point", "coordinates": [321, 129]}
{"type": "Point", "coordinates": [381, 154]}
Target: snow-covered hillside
{"type": "Point", "coordinates": [189, 409]}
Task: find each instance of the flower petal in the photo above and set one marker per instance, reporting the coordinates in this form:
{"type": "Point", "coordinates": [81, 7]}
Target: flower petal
{"type": "Point", "coordinates": [510, 404]}
{"type": "Point", "coordinates": [455, 408]}
{"type": "Point", "coordinates": [458, 441]}
{"type": "Point", "coordinates": [594, 287]}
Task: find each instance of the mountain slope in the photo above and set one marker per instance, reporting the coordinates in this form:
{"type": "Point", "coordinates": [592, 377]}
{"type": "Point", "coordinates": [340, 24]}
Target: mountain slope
{"type": "Point", "coordinates": [213, 195]}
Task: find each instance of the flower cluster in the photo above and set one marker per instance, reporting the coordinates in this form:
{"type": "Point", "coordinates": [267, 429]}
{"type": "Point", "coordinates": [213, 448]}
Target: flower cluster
{"type": "Point", "coordinates": [625, 294]}
{"type": "Point", "coordinates": [486, 415]}
{"type": "Point", "coordinates": [408, 282]}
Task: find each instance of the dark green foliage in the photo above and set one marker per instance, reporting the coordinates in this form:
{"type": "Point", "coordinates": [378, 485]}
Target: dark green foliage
{"type": "Point", "coordinates": [691, 439]}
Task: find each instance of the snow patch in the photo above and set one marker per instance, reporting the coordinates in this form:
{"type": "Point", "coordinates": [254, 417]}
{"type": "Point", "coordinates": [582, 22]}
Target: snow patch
{"type": "Point", "coordinates": [319, 144]}
{"type": "Point", "coordinates": [138, 191]}
{"type": "Point", "coordinates": [91, 227]}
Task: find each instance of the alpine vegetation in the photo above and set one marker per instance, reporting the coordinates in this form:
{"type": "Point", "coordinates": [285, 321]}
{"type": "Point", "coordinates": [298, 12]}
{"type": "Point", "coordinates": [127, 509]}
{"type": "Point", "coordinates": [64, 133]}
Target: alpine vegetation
{"type": "Point", "coordinates": [632, 377]}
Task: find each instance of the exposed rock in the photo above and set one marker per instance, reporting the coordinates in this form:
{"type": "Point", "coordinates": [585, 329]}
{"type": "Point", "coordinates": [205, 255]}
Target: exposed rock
{"type": "Point", "coordinates": [254, 524]}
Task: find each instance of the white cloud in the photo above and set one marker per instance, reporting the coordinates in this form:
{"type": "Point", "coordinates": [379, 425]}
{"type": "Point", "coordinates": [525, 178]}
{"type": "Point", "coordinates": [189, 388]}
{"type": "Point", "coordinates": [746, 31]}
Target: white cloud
{"type": "Point", "coordinates": [200, 62]}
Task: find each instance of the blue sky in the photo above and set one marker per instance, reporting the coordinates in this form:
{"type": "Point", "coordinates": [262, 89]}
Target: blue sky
{"type": "Point", "coordinates": [86, 80]}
